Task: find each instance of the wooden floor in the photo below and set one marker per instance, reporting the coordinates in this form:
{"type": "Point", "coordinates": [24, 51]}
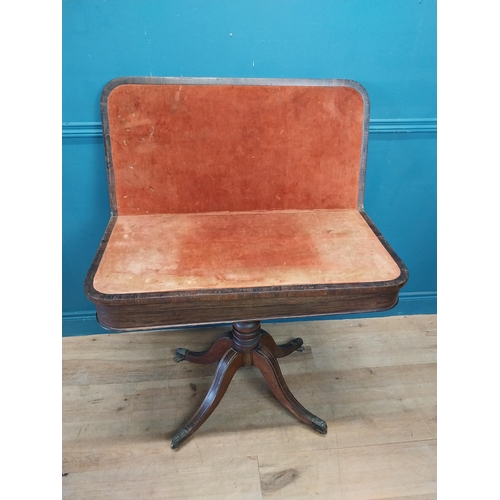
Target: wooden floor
{"type": "Point", "coordinates": [372, 380]}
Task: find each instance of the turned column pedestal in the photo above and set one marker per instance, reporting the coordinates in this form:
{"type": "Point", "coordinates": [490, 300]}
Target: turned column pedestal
{"type": "Point", "coordinates": [245, 345]}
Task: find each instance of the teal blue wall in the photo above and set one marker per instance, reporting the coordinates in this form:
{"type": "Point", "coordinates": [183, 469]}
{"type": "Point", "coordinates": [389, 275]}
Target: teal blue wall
{"type": "Point", "coordinates": [389, 46]}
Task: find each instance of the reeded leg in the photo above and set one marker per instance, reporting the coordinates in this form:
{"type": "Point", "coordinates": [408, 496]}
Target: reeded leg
{"type": "Point", "coordinates": [266, 362]}
{"type": "Point", "coordinates": [212, 355]}
{"type": "Point", "coordinates": [228, 366]}
{"type": "Point", "coordinates": [280, 350]}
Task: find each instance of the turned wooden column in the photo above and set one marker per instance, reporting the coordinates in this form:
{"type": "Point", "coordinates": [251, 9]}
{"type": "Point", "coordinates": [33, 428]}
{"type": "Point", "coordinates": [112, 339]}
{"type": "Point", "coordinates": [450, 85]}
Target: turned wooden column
{"type": "Point", "coordinates": [246, 338]}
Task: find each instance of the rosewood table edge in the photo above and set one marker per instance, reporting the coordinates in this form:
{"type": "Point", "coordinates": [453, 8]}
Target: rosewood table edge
{"type": "Point", "coordinates": [233, 319]}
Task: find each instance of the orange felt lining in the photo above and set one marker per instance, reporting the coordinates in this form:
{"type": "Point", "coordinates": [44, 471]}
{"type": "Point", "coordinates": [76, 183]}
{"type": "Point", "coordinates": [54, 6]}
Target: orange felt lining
{"type": "Point", "coordinates": [161, 253]}
{"type": "Point", "coordinates": [204, 148]}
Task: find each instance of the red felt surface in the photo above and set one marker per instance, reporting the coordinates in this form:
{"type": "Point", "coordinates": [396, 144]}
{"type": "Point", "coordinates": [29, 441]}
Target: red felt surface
{"type": "Point", "coordinates": [169, 252]}
{"type": "Point", "coordinates": [208, 148]}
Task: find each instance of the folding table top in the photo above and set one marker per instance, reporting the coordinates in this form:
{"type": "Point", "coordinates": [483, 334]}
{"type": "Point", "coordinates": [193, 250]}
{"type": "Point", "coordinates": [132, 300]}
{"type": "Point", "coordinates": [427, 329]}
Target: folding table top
{"type": "Point", "coordinates": [228, 186]}
{"type": "Point", "coordinates": [157, 253]}
{"type": "Point", "coordinates": [190, 147]}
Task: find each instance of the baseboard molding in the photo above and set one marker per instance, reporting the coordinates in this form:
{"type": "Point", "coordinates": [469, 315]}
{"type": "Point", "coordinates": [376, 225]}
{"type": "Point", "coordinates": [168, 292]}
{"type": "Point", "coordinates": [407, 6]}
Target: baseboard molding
{"type": "Point", "coordinates": [377, 126]}
{"type": "Point", "coordinates": [417, 303]}
{"type": "Point", "coordinates": [81, 323]}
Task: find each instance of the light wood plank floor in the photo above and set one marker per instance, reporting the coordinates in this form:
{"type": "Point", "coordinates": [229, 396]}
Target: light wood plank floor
{"type": "Point", "coordinates": [372, 380]}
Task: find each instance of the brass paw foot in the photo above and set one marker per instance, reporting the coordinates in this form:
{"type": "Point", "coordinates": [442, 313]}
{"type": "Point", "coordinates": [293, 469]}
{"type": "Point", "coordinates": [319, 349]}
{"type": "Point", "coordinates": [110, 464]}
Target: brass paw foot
{"type": "Point", "coordinates": [178, 438]}
{"type": "Point", "coordinates": [180, 354]}
{"type": "Point", "coordinates": [319, 425]}
{"type": "Point", "coordinates": [299, 343]}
